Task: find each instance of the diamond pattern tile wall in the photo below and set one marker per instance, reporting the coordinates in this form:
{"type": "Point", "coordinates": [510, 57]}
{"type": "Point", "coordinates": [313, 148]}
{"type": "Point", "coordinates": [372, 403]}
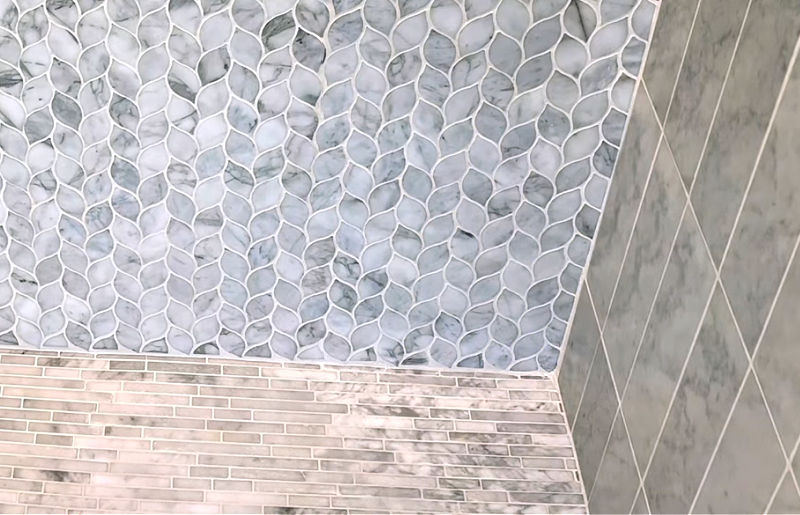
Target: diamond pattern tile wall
{"type": "Point", "coordinates": [413, 182]}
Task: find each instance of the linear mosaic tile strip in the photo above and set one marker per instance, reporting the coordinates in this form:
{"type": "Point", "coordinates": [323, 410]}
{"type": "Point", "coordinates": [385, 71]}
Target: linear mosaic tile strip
{"type": "Point", "coordinates": [413, 182]}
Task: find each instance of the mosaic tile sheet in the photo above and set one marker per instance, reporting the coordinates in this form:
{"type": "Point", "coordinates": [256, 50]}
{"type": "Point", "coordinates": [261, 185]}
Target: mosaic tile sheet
{"type": "Point", "coordinates": [413, 182]}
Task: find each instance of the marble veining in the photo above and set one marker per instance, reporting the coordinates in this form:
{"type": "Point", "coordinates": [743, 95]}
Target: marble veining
{"type": "Point", "coordinates": [414, 182]}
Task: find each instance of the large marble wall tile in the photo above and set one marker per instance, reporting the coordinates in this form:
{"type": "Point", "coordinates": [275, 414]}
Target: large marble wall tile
{"type": "Point", "coordinates": [677, 312]}
{"type": "Point", "coordinates": [584, 337]}
{"type": "Point", "coordinates": [777, 359]}
{"type": "Point", "coordinates": [411, 182]}
{"type": "Point", "coordinates": [670, 36]}
{"type": "Point", "coordinates": [707, 58]}
{"type": "Point", "coordinates": [759, 66]}
{"type": "Point", "coordinates": [769, 224]}
{"type": "Point", "coordinates": [649, 249]}
{"type": "Point", "coordinates": [748, 463]}
{"type": "Point", "coordinates": [624, 197]}
{"type": "Point", "coordinates": [704, 398]}
{"type": "Point", "coordinates": [617, 480]}
{"type": "Point", "coordinates": [595, 417]}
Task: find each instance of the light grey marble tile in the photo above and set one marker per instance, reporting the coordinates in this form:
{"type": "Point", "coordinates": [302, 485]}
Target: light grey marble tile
{"type": "Point", "coordinates": [700, 80]}
{"type": "Point", "coordinates": [593, 421]}
{"type": "Point", "coordinates": [762, 57]}
{"type": "Point", "coordinates": [669, 40]}
{"type": "Point", "coordinates": [584, 337]}
{"type": "Point", "coordinates": [768, 225]}
{"type": "Point", "coordinates": [647, 256]}
{"type": "Point", "coordinates": [713, 375]}
{"type": "Point", "coordinates": [776, 359]}
{"type": "Point", "coordinates": [617, 481]}
{"type": "Point", "coordinates": [676, 315]}
{"type": "Point", "coordinates": [624, 196]}
{"type": "Point", "coordinates": [787, 498]}
{"type": "Point", "coordinates": [742, 476]}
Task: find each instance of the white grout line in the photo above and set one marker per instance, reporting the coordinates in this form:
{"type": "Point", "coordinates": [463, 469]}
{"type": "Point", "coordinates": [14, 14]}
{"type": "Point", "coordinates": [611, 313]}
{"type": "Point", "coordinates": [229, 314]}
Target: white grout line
{"type": "Point", "coordinates": [718, 270]}
{"type": "Point", "coordinates": [788, 473]}
{"type": "Point", "coordinates": [764, 139]}
{"type": "Point", "coordinates": [700, 160]}
{"type": "Point", "coordinates": [634, 94]}
{"type": "Point", "coordinates": [663, 271]}
{"type": "Point", "coordinates": [750, 356]}
{"type": "Point", "coordinates": [676, 388]}
{"type": "Point", "coordinates": [594, 354]}
{"type": "Point", "coordinates": [635, 218]}
{"type": "Point", "coordinates": [620, 414]}
{"type": "Point", "coordinates": [680, 65]}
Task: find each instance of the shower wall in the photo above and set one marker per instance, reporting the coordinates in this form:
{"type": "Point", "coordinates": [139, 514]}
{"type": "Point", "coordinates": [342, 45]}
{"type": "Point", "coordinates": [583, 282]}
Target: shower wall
{"type": "Point", "coordinates": [412, 183]}
{"type": "Point", "coordinates": [680, 378]}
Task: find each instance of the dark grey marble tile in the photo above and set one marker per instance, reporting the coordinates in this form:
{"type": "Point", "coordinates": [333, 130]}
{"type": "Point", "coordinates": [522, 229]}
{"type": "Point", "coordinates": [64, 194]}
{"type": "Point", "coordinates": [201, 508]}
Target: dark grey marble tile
{"type": "Point", "coordinates": [651, 242]}
{"type": "Point", "coordinates": [700, 80]}
{"type": "Point", "coordinates": [593, 422]}
{"type": "Point", "coordinates": [704, 398]}
{"type": "Point", "coordinates": [770, 221]}
{"type": "Point", "coordinates": [668, 337]}
{"type": "Point", "coordinates": [748, 463]}
{"type": "Point", "coordinates": [787, 498]}
{"type": "Point", "coordinates": [777, 359]}
{"type": "Point", "coordinates": [617, 480]}
{"type": "Point", "coordinates": [584, 337]}
{"type": "Point", "coordinates": [670, 36]}
{"type": "Point", "coordinates": [624, 196]}
{"type": "Point", "coordinates": [762, 57]}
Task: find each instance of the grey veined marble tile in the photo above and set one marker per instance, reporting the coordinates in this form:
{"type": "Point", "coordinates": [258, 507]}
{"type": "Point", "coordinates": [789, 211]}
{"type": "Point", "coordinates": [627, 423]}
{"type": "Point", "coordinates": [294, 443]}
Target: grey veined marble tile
{"type": "Point", "coordinates": [742, 477]}
{"type": "Point", "coordinates": [415, 182]}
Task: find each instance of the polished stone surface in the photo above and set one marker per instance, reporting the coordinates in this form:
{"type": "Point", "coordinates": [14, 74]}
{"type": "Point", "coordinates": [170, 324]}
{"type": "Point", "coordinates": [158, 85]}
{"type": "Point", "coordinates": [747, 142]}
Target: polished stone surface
{"type": "Point", "coordinates": [595, 417]}
{"type": "Point", "coordinates": [762, 58]}
{"type": "Point", "coordinates": [624, 197]}
{"type": "Point", "coordinates": [676, 315]}
{"type": "Point", "coordinates": [584, 338]}
{"type": "Point", "coordinates": [708, 56]}
{"type": "Point", "coordinates": [649, 250]}
{"type": "Point", "coordinates": [670, 36]}
{"type": "Point", "coordinates": [617, 480]}
{"type": "Point", "coordinates": [777, 358]}
{"type": "Point", "coordinates": [787, 498]}
{"type": "Point", "coordinates": [412, 183]}
{"type": "Point", "coordinates": [742, 476]}
{"type": "Point", "coordinates": [769, 224]}
{"type": "Point", "coordinates": [713, 376]}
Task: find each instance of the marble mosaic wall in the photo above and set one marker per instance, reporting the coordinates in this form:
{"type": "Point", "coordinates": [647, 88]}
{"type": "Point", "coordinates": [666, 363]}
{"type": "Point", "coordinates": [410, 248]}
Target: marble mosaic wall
{"type": "Point", "coordinates": [413, 182]}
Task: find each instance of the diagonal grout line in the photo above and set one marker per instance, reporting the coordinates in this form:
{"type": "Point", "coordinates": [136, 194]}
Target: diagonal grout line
{"type": "Point", "coordinates": [751, 356]}
{"type": "Point", "coordinates": [788, 473]}
{"type": "Point", "coordinates": [680, 65]}
{"type": "Point", "coordinates": [792, 457]}
{"type": "Point", "coordinates": [619, 413]}
{"type": "Point", "coordinates": [690, 208]}
{"type": "Point", "coordinates": [675, 390]}
{"type": "Point", "coordinates": [635, 217]}
{"type": "Point", "coordinates": [594, 354]}
{"type": "Point", "coordinates": [750, 371]}
{"type": "Point", "coordinates": [718, 271]}
{"type": "Point", "coordinates": [765, 138]}
{"type": "Point", "coordinates": [707, 138]}
{"type": "Point", "coordinates": [664, 270]}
